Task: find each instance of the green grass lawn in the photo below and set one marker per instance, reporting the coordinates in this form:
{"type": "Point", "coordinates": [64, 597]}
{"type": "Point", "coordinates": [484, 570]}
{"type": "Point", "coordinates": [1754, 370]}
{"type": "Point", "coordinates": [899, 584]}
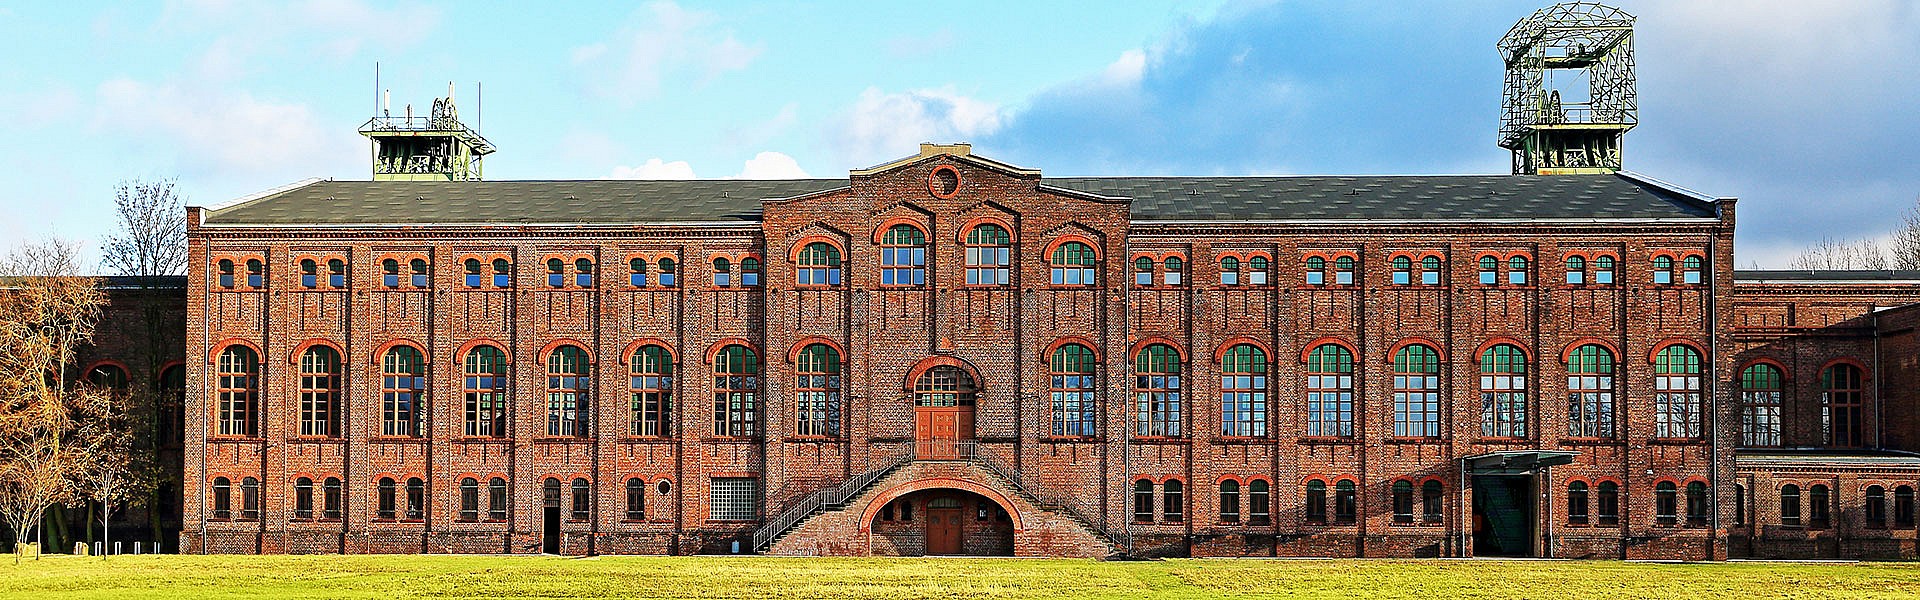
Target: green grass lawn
{"type": "Point", "coordinates": [203, 578]}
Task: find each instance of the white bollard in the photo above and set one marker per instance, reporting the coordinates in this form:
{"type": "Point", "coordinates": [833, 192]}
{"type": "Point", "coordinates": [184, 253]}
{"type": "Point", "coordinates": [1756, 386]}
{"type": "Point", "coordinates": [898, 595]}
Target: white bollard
{"type": "Point", "coordinates": [136, 548]}
{"type": "Point", "coordinates": [116, 547]}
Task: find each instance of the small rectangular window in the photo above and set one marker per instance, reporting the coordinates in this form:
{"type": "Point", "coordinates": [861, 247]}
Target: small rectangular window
{"type": "Point", "coordinates": [1257, 277]}
{"type": "Point", "coordinates": [752, 278]}
{"type": "Point", "coordinates": [583, 280]}
{"type": "Point", "coordinates": [1172, 278]}
{"type": "Point", "coordinates": [638, 279]}
{"type": "Point", "coordinates": [502, 280]}
{"type": "Point", "coordinates": [666, 279]}
{"type": "Point", "coordinates": [420, 280]}
{"type": "Point", "coordinates": [390, 280]}
{"type": "Point", "coordinates": [1690, 277]}
{"type": "Point", "coordinates": [1343, 277]}
{"type": "Point", "coordinates": [1316, 277]}
{"type": "Point", "coordinates": [722, 279]}
{"type": "Point", "coordinates": [1143, 278]}
{"type": "Point", "coordinates": [1402, 278]}
{"type": "Point", "coordinates": [1230, 278]}
{"type": "Point", "coordinates": [1430, 278]}
{"type": "Point", "coordinates": [1517, 277]}
{"type": "Point", "coordinates": [1489, 278]}
{"type": "Point", "coordinates": [1663, 277]}
{"type": "Point", "coordinates": [1603, 277]}
{"type": "Point", "coordinates": [734, 499]}
{"type": "Point", "coordinates": [1576, 277]}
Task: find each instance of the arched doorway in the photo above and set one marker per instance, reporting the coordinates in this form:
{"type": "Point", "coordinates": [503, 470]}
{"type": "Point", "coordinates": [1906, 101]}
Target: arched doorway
{"type": "Point", "coordinates": [941, 522]}
{"type": "Point", "coordinates": [943, 399]}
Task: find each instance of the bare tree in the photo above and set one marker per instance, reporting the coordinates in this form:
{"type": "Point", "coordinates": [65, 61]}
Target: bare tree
{"type": "Point", "coordinates": [1906, 239]}
{"type": "Point", "coordinates": [45, 312]}
{"type": "Point", "coordinates": [53, 257]}
{"type": "Point", "coordinates": [1828, 254]}
{"type": "Point", "coordinates": [152, 239]}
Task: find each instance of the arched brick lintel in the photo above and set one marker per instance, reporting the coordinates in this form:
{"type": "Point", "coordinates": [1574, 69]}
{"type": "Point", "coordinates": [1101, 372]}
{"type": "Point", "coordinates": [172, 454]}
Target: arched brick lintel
{"type": "Point", "coordinates": [938, 483]}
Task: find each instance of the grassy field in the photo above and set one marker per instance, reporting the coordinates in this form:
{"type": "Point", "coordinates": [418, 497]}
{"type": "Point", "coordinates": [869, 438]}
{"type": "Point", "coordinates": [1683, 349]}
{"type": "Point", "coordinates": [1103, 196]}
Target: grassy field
{"type": "Point", "coordinates": [203, 578]}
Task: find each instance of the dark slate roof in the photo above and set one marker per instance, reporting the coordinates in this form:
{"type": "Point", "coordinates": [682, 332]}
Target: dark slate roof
{"type": "Point", "coordinates": [1449, 197]}
{"type": "Point", "coordinates": [1828, 456]}
{"type": "Point", "coordinates": [1827, 276]}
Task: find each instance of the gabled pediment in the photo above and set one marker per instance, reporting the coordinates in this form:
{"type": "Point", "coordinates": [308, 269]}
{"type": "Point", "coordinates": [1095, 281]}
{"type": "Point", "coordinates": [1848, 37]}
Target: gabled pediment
{"type": "Point", "coordinates": [962, 153]}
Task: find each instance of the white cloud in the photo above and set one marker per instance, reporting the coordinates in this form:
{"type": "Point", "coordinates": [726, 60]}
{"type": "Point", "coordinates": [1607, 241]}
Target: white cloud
{"type": "Point", "coordinates": [1126, 70]}
{"type": "Point", "coordinates": [655, 168]}
{"type": "Point", "coordinates": [885, 125]}
{"type": "Point", "coordinates": [219, 132]}
{"type": "Point", "coordinates": [665, 41]}
{"type": "Point", "coordinates": [771, 165]}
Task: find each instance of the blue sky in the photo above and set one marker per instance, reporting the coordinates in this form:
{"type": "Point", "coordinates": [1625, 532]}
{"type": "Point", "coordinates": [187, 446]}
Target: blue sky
{"type": "Point", "coordinates": [1805, 111]}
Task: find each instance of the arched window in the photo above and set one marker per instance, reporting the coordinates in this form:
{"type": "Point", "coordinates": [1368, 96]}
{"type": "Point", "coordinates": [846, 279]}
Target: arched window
{"type": "Point", "coordinates": [1819, 507]}
{"type": "Point", "coordinates": [556, 272]}
{"type": "Point", "coordinates": [1876, 506]}
{"type": "Point", "coordinates": [1677, 405]}
{"type": "Point", "coordinates": [944, 386]}
{"type": "Point", "coordinates": [1607, 509]}
{"type": "Point", "coordinates": [1243, 392]}
{"type": "Point", "coordinates": [1489, 270]}
{"type": "Point", "coordinates": [817, 391]}
{"type": "Point", "coordinates": [1316, 501]}
{"type": "Point", "coordinates": [1603, 270]}
{"type": "Point", "coordinates": [1790, 505]}
{"type": "Point", "coordinates": [550, 494]}
{"type": "Point", "coordinates": [330, 499]}
{"type": "Point", "coordinates": [320, 391]}
{"type": "Point", "coordinates": [1403, 275]}
{"type": "Point", "coordinates": [403, 384]}
{"type": "Point", "coordinates": [418, 268]}
{"type": "Point", "coordinates": [903, 256]}
{"type": "Point", "coordinates": [1663, 269]}
{"type": "Point", "coordinates": [736, 392]}
{"type": "Point", "coordinates": [1690, 269]}
{"type": "Point", "coordinates": [225, 268]}
{"type": "Point", "coordinates": [1071, 381]}
{"type": "Point", "coordinates": [1665, 501]}
{"type": "Point", "coordinates": [1173, 504]}
{"type": "Point", "coordinates": [1577, 503]}
{"type": "Point", "coordinates": [497, 499]}
{"type": "Point", "coordinates": [1416, 392]}
{"type": "Point", "coordinates": [485, 386]}
{"type": "Point", "coordinates": [303, 499]}
{"type": "Point", "coordinates": [668, 278]}
{"type": "Point", "coordinates": [1174, 272]}
{"type": "Point", "coordinates": [1143, 271]}
{"type": "Point", "coordinates": [256, 273]}
{"type": "Point", "coordinates": [652, 387]}
{"type": "Point", "coordinates": [1343, 270]}
{"type": "Point", "coordinates": [1156, 391]}
{"type": "Point", "coordinates": [1903, 506]}
{"type": "Point", "coordinates": [1345, 501]}
{"type": "Point", "coordinates": [471, 267]}
{"type": "Point", "coordinates": [636, 500]}
{"type": "Point", "coordinates": [1696, 504]}
{"type": "Point", "coordinates": [1760, 406]}
{"type": "Point", "coordinates": [1840, 392]}
{"type": "Point", "coordinates": [582, 500]}
{"type": "Point", "coordinates": [1330, 391]}
{"type": "Point", "coordinates": [386, 500]}
{"type": "Point", "coordinates": [637, 272]}
{"type": "Point", "coordinates": [989, 248]}
{"type": "Point", "coordinates": [1229, 501]}
{"type": "Point", "coordinates": [469, 499]}
{"type": "Point", "coordinates": [1257, 270]}
{"type": "Point", "coordinates": [1316, 270]}
{"type": "Point", "coordinates": [1517, 270]}
{"type": "Point", "coordinates": [1430, 501]}
{"type": "Point", "coordinates": [236, 386]}
{"type": "Point", "coordinates": [583, 272]}
{"type": "Point", "coordinates": [722, 273]}
{"type": "Point", "coordinates": [819, 264]}
{"type": "Point", "coordinates": [1143, 501]}
{"type": "Point", "coordinates": [309, 278]}
{"type": "Point", "coordinates": [1576, 270]}
{"type": "Point", "coordinates": [502, 273]}
{"type": "Point", "coordinates": [250, 499]}
{"type": "Point", "coordinates": [1590, 392]}
{"type": "Point", "coordinates": [390, 273]}
{"type": "Point", "coordinates": [568, 389]}
{"type": "Point", "coordinates": [1403, 501]}
{"type": "Point", "coordinates": [1503, 392]}
{"type": "Point", "coordinates": [109, 377]}
{"type": "Point", "coordinates": [750, 272]}
{"type": "Point", "coordinates": [1258, 502]}
{"type": "Point", "coordinates": [223, 498]}
{"type": "Point", "coordinates": [1430, 270]}
{"type": "Point", "coordinates": [1229, 271]}
{"type": "Point", "coordinates": [416, 499]}
{"type": "Point", "coordinates": [1073, 264]}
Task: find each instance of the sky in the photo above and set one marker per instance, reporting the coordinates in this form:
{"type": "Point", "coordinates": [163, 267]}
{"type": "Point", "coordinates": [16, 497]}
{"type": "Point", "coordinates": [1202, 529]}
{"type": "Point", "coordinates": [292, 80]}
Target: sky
{"type": "Point", "coordinates": [1808, 112]}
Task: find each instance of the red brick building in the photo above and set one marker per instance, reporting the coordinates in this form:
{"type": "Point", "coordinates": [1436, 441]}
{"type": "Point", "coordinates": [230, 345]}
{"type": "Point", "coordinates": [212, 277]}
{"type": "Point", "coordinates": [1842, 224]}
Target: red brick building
{"type": "Point", "coordinates": [949, 354]}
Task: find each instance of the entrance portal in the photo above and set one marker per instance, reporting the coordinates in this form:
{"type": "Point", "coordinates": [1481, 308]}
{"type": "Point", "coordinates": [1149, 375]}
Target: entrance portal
{"type": "Point", "coordinates": [1503, 515]}
{"type": "Point", "coordinates": [942, 522]}
{"type": "Point", "coordinates": [550, 522]}
{"type": "Point", "coordinates": [943, 413]}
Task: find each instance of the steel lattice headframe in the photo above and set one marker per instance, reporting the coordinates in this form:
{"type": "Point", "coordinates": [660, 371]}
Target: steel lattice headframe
{"type": "Point", "coordinates": [1589, 36]}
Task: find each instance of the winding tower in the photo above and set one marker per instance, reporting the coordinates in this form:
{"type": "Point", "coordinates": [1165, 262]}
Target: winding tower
{"type": "Point", "coordinates": [436, 146]}
{"type": "Point", "coordinates": [1569, 96]}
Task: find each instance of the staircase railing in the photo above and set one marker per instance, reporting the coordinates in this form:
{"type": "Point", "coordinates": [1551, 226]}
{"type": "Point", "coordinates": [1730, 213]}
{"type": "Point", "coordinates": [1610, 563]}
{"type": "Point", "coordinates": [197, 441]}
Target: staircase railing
{"type": "Point", "coordinates": [824, 497]}
{"type": "Point", "coordinates": [1075, 506]}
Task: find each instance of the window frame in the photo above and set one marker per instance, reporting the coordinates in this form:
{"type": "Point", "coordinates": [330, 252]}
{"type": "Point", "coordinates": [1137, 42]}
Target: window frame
{"type": "Point", "coordinates": [1416, 391]}
{"type": "Point", "coordinates": [484, 383]}
{"type": "Point", "coordinates": [988, 255]}
{"type": "Point", "coordinates": [1073, 388]}
{"type": "Point", "coordinates": [1679, 400]}
{"type": "Point", "coordinates": [736, 392]}
{"type": "Point", "coordinates": [1329, 391]}
{"type": "Point", "coordinates": [1504, 394]}
{"type": "Point", "coordinates": [817, 393]}
{"type": "Point", "coordinates": [650, 386]}
{"type": "Point", "coordinates": [1244, 391]}
{"type": "Point", "coordinates": [569, 389]}
{"type": "Point", "coordinates": [1073, 263]}
{"type": "Point", "coordinates": [403, 392]}
{"type": "Point", "coordinates": [903, 255]}
{"type": "Point", "coordinates": [1159, 397]}
{"type": "Point", "coordinates": [320, 393]}
{"type": "Point", "coordinates": [818, 264]}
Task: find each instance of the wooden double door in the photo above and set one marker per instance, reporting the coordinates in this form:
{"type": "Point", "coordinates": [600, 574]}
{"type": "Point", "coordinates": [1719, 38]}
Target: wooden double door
{"type": "Point", "coordinates": [939, 431]}
{"type": "Point", "coordinates": [945, 526]}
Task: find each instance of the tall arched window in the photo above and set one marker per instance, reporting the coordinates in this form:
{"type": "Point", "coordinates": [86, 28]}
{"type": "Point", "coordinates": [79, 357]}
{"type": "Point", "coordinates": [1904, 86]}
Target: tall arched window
{"type": "Point", "coordinates": [330, 499]}
{"type": "Point", "coordinates": [237, 388]}
{"type": "Point", "coordinates": [403, 384]}
{"type": "Point", "coordinates": [416, 499]}
{"type": "Point", "coordinates": [1403, 501]}
{"type": "Point", "coordinates": [636, 500]}
{"type": "Point", "coordinates": [302, 499]}
{"type": "Point", "coordinates": [497, 499]}
{"type": "Point", "coordinates": [568, 387]}
{"type": "Point", "coordinates": [223, 498]}
{"type": "Point", "coordinates": [485, 370]}
{"type": "Point", "coordinates": [903, 256]}
{"type": "Point", "coordinates": [1607, 505]}
{"type": "Point", "coordinates": [989, 249]}
{"type": "Point", "coordinates": [1156, 391]}
{"type": "Point", "coordinates": [819, 264]}
{"type": "Point", "coordinates": [582, 500]}
{"type": "Point", "coordinates": [1590, 392]}
{"type": "Point", "coordinates": [1760, 405]}
{"type": "Point", "coordinates": [1316, 509]}
{"type": "Point", "coordinates": [1790, 505]}
{"type": "Point", "coordinates": [1696, 504]}
{"type": "Point", "coordinates": [1503, 392]}
{"type": "Point", "coordinates": [1071, 383]}
{"type": "Point", "coordinates": [1903, 506]}
{"type": "Point", "coordinates": [173, 403]}
{"type": "Point", "coordinates": [1840, 392]}
{"type": "Point", "coordinates": [1243, 392]}
{"type": "Point", "coordinates": [1229, 501]}
{"type": "Point", "coordinates": [1073, 264]}
{"type": "Point", "coordinates": [250, 499]}
{"type": "Point", "coordinates": [1577, 503]}
{"type": "Point", "coordinates": [1665, 503]}
{"type": "Point", "coordinates": [1819, 507]}
{"type": "Point", "coordinates": [386, 505]}
{"type": "Point", "coordinates": [1173, 503]}
{"type": "Point", "coordinates": [1142, 500]}
{"type": "Point", "coordinates": [469, 499]}
{"type": "Point", "coordinates": [1430, 501]}
{"type": "Point", "coordinates": [1345, 501]}
{"type": "Point", "coordinates": [1259, 502]}
{"type": "Point", "coordinates": [320, 391]}
{"type": "Point", "coordinates": [652, 386]}
{"type": "Point", "coordinates": [817, 391]}
{"type": "Point", "coordinates": [1330, 391]}
{"type": "Point", "coordinates": [1677, 406]}
{"type": "Point", "coordinates": [736, 392]}
{"type": "Point", "coordinates": [1416, 392]}
{"type": "Point", "coordinates": [1876, 506]}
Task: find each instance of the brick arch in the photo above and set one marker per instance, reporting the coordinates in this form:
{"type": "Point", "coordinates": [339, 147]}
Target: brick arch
{"type": "Point", "coordinates": [557, 343]}
{"type": "Point", "coordinates": [941, 360]}
{"type": "Point", "coordinates": [793, 252]}
{"type": "Point", "coordinates": [293, 358]}
{"type": "Point", "coordinates": [1481, 351]}
{"type": "Point", "coordinates": [1786, 375]}
{"type": "Point", "coordinates": [1013, 235]}
{"type": "Point", "coordinates": [461, 352]}
{"type": "Point", "coordinates": [1866, 374]}
{"type": "Point", "coordinates": [1438, 349]}
{"type": "Point", "coordinates": [221, 346]}
{"type": "Point", "coordinates": [626, 354]}
{"type": "Point", "coordinates": [1047, 355]}
{"type": "Point", "coordinates": [381, 350]}
{"type": "Point", "coordinates": [1306, 351]}
{"type": "Point", "coordinates": [108, 362]}
{"type": "Point", "coordinates": [714, 350]}
{"type": "Point", "coordinates": [1149, 341]}
{"type": "Point", "coordinates": [1654, 353]}
{"type": "Point", "coordinates": [793, 353]}
{"type": "Point", "coordinates": [1099, 253]}
{"type": "Point", "coordinates": [1566, 353]}
{"type": "Point", "coordinates": [1220, 354]}
{"type": "Point", "coordinates": [939, 483]}
{"type": "Point", "coordinates": [880, 232]}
